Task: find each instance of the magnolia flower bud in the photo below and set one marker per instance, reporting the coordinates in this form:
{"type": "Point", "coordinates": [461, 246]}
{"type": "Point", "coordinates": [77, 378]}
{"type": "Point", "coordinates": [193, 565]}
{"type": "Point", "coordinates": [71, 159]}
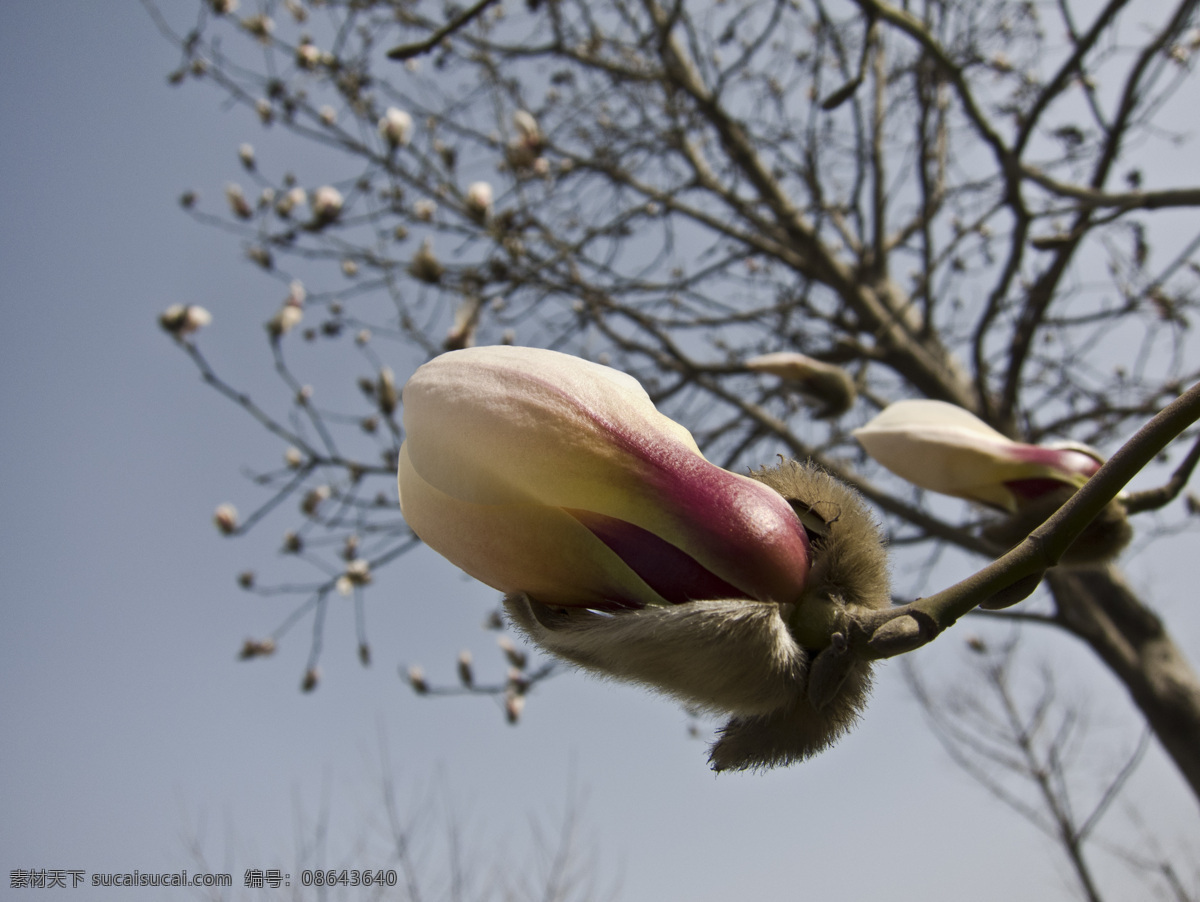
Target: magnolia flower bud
{"type": "Point", "coordinates": [295, 197]}
{"type": "Point", "coordinates": [261, 26]}
{"type": "Point", "coordinates": [515, 656]}
{"type": "Point", "coordinates": [416, 679]}
{"type": "Point", "coordinates": [425, 266]}
{"type": "Point", "coordinates": [526, 125]}
{"type": "Point", "coordinates": [308, 56]}
{"type": "Point", "coordinates": [424, 209]}
{"type": "Point", "coordinates": [254, 648]}
{"type": "Point", "coordinates": [396, 127]}
{"type": "Point", "coordinates": [479, 201]}
{"type": "Point", "coordinates": [830, 386]}
{"type": "Point", "coordinates": [326, 204]}
{"type": "Point", "coordinates": [312, 676]}
{"type": "Point", "coordinates": [237, 201]}
{"type": "Point", "coordinates": [539, 472]}
{"type": "Point", "coordinates": [466, 675]}
{"type": "Point", "coordinates": [312, 500]}
{"type": "Point", "coordinates": [328, 115]}
{"type": "Point", "coordinates": [946, 449]}
{"type": "Point", "coordinates": [556, 480]}
{"type": "Point", "coordinates": [385, 391]}
{"type": "Point", "coordinates": [246, 155]}
{"type": "Point", "coordinates": [223, 7]}
{"type": "Point", "coordinates": [265, 114]}
{"type": "Point", "coordinates": [225, 518]}
{"type": "Point", "coordinates": [286, 319]}
{"type": "Point", "coordinates": [180, 320]}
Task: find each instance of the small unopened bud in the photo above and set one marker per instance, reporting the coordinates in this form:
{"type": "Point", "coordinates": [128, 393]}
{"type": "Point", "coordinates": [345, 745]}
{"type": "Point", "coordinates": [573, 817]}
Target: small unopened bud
{"type": "Point", "coordinates": [180, 320]}
{"type": "Point", "coordinates": [312, 676]}
{"type": "Point", "coordinates": [246, 579]}
{"type": "Point", "coordinates": [256, 648]}
{"type": "Point", "coordinates": [296, 197]}
{"type": "Point", "coordinates": [494, 621]}
{"type": "Point", "coordinates": [226, 519]}
{"type": "Point", "coordinates": [187, 200]}
{"type": "Point", "coordinates": [369, 425]}
{"type": "Point", "coordinates": [286, 319]}
{"type": "Point", "coordinates": [514, 706]}
{"type": "Point", "coordinates": [424, 209]}
{"type": "Point", "coordinates": [515, 656]}
{"type": "Point", "coordinates": [296, 294]}
{"type": "Point", "coordinates": [541, 166]}
{"type": "Point", "coordinates": [312, 500]}
{"type": "Point", "coordinates": [261, 26]}
{"type": "Point", "coordinates": [293, 458]}
{"type": "Point", "coordinates": [326, 204]}
{"type": "Point", "coordinates": [479, 201]}
{"type": "Point", "coordinates": [466, 674]}
{"type": "Point", "coordinates": [292, 543]}
{"type": "Point", "coordinates": [328, 115]}
{"type": "Point", "coordinates": [349, 268]}
{"type": "Point", "coordinates": [265, 113]}
{"type": "Point", "coordinates": [830, 386]}
{"type": "Point", "coordinates": [976, 645]}
{"type": "Point", "coordinates": [425, 266]}
{"type": "Point", "coordinates": [363, 336]}
{"type": "Point", "coordinates": [518, 683]}
{"type": "Point", "coordinates": [416, 679]}
{"type": "Point", "coordinates": [223, 7]}
{"type": "Point", "coordinates": [260, 255]}
{"type": "Point", "coordinates": [527, 125]}
{"type": "Point", "coordinates": [358, 571]}
{"type": "Point", "coordinates": [308, 56]}
{"type": "Point", "coordinates": [364, 654]}
{"type": "Point", "coordinates": [344, 586]}
{"type": "Point", "coordinates": [396, 127]}
{"type": "Point", "coordinates": [386, 391]}
{"type": "Point", "coordinates": [1192, 502]}
{"type": "Point", "coordinates": [304, 395]}
{"type": "Point", "coordinates": [350, 547]}
{"type": "Point", "coordinates": [237, 201]}
{"type": "Point", "coordinates": [246, 155]}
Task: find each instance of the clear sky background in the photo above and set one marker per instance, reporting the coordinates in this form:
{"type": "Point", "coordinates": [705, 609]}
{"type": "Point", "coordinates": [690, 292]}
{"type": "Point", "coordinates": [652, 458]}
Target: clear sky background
{"type": "Point", "coordinates": [128, 728]}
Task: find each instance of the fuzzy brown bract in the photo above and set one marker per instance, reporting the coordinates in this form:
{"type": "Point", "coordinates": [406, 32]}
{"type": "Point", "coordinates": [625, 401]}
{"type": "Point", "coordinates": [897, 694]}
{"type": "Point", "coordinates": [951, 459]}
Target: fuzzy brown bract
{"type": "Point", "coordinates": [741, 658]}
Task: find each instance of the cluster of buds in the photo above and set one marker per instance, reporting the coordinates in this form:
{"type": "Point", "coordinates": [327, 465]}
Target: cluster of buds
{"type": "Point", "coordinates": [180, 320]}
{"type": "Point", "coordinates": [622, 550]}
{"type": "Point", "coordinates": [946, 449]}
{"type": "Point", "coordinates": [396, 128]}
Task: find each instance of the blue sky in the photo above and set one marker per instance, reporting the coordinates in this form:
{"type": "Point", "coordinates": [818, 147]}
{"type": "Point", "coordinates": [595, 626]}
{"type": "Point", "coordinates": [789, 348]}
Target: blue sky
{"type": "Point", "coordinates": [128, 723]}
